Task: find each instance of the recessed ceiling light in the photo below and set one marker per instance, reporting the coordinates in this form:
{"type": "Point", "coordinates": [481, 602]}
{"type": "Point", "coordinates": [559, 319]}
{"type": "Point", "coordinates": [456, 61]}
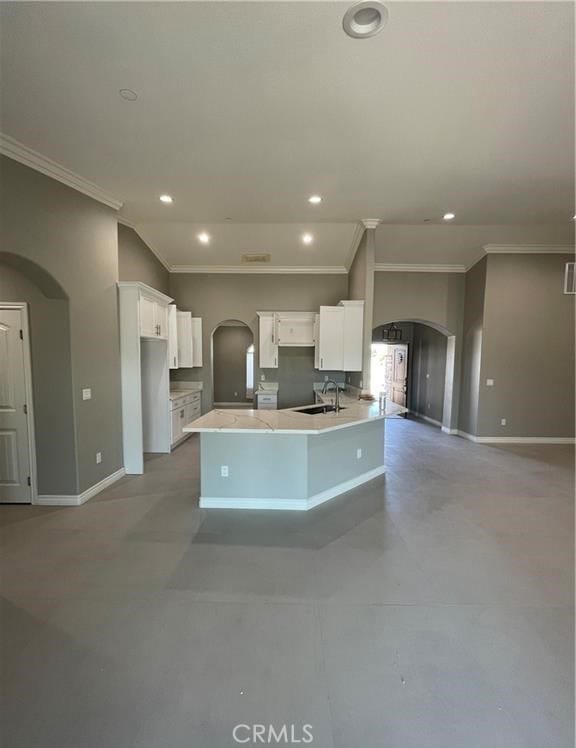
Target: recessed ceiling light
{"type": "Point", "coordinates": [128, 94]}
{"type": "Point", "coordinates": [449, 216]}
{"type": "Point", "coordinates": [314, 199]}
{"type": "Point", "coordinates": [365, 19]}
{"type": "Point", "coordinates": [307, 238]}
{"type": "Point", "coordinates": [166, 199]}
{"type": "Point", "coordinates": [204, 237]}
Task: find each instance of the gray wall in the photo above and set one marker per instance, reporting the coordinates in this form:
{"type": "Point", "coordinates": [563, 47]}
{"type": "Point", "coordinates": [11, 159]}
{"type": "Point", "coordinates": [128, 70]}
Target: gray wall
{"type": "Point", "coordinates": [51, 380]}
{"type": "Point", "coordinates": [136, 262]}
{"type": "Point", "coordinates": [472, 347]}
{"type": "Point", "coordinates": [527, 348]}
{"type": "Point", "coordinates": [218, 297]}
{"type": "Point", "coordinates": [426, 297]}
{"type": "Point", "coordinates": [75, 239]}
{"type": "Point", "coordinates": [428, 372]}
{"type": "Point", "coordinates": [230, 344]}
{"type": "Point", "coordinates": [296, 376]}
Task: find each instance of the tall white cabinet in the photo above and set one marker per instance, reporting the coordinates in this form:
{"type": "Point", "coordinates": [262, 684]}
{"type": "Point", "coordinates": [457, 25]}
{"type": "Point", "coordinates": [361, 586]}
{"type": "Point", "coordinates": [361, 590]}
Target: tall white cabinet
{"type": "Point", "coordinates": [339, 337]}
{"type": "Point", "coordinates": [268, 347]}
{"type": "Point", "coordinates": [144, 372]}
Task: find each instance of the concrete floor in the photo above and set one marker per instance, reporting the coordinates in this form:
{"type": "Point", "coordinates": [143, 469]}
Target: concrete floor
{"type": "Point", "coordinates": [432, 608]}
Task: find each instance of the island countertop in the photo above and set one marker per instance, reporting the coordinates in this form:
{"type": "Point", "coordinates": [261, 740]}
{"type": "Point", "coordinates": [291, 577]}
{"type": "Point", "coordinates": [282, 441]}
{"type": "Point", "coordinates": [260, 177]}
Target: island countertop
{"type": "Point", "coordinates": [292, 420]}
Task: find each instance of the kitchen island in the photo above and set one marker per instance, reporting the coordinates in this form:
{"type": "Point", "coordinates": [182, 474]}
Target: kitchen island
{"type": "Point", "coordinates": [292, 459]}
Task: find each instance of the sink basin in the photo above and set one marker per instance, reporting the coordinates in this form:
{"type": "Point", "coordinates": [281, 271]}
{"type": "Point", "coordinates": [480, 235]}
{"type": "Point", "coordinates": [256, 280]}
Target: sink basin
{"type": "Point", "coordinates": [315, 410]}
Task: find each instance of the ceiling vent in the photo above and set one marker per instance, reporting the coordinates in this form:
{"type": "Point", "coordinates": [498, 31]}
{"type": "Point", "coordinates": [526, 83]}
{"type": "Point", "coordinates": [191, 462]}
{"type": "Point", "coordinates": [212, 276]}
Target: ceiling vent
{"type": "Point", "coordinates": [256, 258]}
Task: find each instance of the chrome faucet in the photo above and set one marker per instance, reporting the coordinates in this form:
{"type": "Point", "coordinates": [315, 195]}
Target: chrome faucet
{"type": "Point", "coordinates": [337, 393]}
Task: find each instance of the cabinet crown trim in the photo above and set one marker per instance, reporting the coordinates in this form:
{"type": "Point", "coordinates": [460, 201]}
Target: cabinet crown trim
{"type": "Point", "coordinates": [148, 290]}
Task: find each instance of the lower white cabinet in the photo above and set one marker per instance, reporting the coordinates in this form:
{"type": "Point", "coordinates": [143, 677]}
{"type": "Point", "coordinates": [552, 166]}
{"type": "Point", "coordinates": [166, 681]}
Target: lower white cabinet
{"type": "Point", "coordinates": [184, 410]}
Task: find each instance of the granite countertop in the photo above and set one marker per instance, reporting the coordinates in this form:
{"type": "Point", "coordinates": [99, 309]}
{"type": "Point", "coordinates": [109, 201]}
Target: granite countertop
{"type": "Point", "coordinates": [291, 421]}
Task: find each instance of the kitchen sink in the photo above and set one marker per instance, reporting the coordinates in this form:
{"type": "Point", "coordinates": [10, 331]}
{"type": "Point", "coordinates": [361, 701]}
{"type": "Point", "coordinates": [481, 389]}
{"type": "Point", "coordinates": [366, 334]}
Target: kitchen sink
{"type": "Point", "coordinates": [315, 410]}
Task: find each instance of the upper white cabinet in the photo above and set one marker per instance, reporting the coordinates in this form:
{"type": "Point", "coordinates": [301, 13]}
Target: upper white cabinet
{"type": "Point", "coordinates": [173, 336]}
{"type": "Point", "coordinates": [196, 341]}
{"type": "Point", "coordinates": [294, 328]}
{"type": "Point", "coordinates": [185, 344]}
{"type": "Point", "coordinates": [153, 312]}
{"type": "Point", "coordinates": [340, 337]}
{"type": "Point", "coordinates": [331, 338]}
{"type": "Point", "coordinates": [267, 345]}
{"type": "Point", "coordinates": [353, 335]}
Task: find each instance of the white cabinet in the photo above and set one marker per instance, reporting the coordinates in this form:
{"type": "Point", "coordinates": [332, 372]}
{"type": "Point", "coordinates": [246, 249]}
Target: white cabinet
{"type": "Point", "coordinates": [267, 400]}
{"type": "Point", "coordinates": [196, 341]}
{"type": "Point", "coordinates": [267, 345]}
{"type": "Point", "coordinates": [331, 338]}
{"type": "Point", "coordinates": [145, 377]}
{"type": "Point", "coordinates": [173, 336]}
{"type": "Point", "coordinates": [294, 328]}
{"type": "Point", "coordinates": [353, 335]}
{"type": "Point", "coordinates": [340, 337]}
{"type": "Point", "coordinates": [184, 410]}
{"type": "Point", "coordinates": [153, 314]}
{"type": "Point", "coordinates": [185, 350]}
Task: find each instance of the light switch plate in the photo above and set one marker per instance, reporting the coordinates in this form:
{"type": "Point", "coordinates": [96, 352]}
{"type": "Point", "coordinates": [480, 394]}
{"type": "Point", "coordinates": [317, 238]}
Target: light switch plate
{"type": "Point", "coordinates": [358, 454]}
{"type": "Point", "coordinates": [489, 383]}
{"type": "Point", "coordinates": [87, 394]}
{"type": "Point", "coordinates": [98, 457]}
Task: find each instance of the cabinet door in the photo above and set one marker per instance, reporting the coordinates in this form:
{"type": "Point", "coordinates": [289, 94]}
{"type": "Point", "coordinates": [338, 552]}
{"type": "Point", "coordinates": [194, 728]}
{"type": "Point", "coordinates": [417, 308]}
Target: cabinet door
{"type": "Point", "coordinates": [161, 313]}
{"type": "Point", "coordinates": [331, 334]}
{"type": "Point", "coordinates": [176, 423]}
{"type": "Point", "coordinates": [196, 341]}
{"type": "Point", "coordinates": [353, 337]}
{"type": "Point", "coordinates": [147, 310]}
{"type": "Point", "coordinates": [294, 329]}
{"type": "Point", "coordinates": [185, 353]}
{"type": "Point", "coordinates": [316, 341]}
{"type": "Point", "coordinates": [267, 345]}
{"type": "Point", "coordinates": [173, 336]}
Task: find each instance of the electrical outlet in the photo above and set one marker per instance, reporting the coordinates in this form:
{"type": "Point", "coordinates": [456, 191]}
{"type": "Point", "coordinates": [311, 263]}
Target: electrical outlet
{"type": "Point", "coordinates": [502, 422]}
{"type": "Point", "coordinates": [428, 406]}
{"type": "Point", "coordinates": [262, 377]}
{"type": "Point", "coordinates": [98, 457]}
{"type": "Point", "coordinates": [427, 375]}
{"type": "Point", "coordinates": [87, 394]}
{"type": "Point", "coordinates": [325, 378]}
{"type": "Point", "coordinates": [358, 454]}
{"type": "Point", "coordinates": [224, 471]}
{"type": "Point", "coordinates": [489, 383]}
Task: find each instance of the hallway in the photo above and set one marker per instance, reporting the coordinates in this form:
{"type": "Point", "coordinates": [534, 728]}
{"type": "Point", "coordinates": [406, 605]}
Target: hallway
{"type": "Point", "coordinates": [429, 609]}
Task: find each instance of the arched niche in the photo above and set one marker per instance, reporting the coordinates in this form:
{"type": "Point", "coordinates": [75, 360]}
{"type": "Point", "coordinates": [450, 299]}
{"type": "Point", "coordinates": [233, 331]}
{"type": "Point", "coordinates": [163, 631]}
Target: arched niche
{"type": "Point", "coordinates": [229, 342]}
{"type": "Point", "coordinates": [22, 280]}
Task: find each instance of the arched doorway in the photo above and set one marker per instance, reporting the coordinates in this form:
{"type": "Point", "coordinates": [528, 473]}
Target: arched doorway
{"type": "Point", "coordinates": [414, 360]}
{"type": "Point", "coordinates": [232, 364]}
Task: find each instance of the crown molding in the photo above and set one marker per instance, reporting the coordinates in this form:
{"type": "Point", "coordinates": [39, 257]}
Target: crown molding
{"type": "Point", "coordinates": [271, 270]}
{"type": "Point", "coordinates": [126, 222]}
{"type": "Point", "coordinates": [527, 249]}
{"type": "Point", "coordinates": [21, 153]}
{"type": "Point", "coordinates": [392, 267]}
{"type": "Point", "coordinates": [371, 223]}
{"type": "Point", "coordinates": [355, 243]}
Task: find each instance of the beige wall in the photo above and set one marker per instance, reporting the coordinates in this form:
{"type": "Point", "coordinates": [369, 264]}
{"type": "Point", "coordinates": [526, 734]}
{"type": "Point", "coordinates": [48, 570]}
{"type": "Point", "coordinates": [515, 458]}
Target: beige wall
{"type": "Point", "coordinates": [136, 262]}
{"type": "Point", "coordinates": [75, 239]}
{"type": "Point", "coordinates": [218, 297]}
{"type": "Point", "coordinates": [527, 348]}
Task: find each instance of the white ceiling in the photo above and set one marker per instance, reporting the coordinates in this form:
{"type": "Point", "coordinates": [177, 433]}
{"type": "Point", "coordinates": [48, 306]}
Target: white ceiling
{"type": "Point", "coordinates": [245, 109]}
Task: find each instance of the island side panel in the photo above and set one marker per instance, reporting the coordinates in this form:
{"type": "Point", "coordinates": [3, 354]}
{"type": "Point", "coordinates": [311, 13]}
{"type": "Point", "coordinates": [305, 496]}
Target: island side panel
{"type": "Point", "coordinates": [265, 471]}
{"type": "Point", "coordinates": [333, 460]}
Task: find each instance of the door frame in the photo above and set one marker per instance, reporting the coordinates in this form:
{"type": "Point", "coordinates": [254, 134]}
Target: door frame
{"type": "Point", "coordinates": [22, 307]}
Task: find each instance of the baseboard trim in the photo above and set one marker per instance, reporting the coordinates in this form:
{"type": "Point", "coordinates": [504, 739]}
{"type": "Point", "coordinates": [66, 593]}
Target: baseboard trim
{"type": "Point", "coordinates": [446, 430]}
{"type": "Point", "coordinates": [53, 500]}
{"type": "Point", "coordinates": [298, 505]}
{"type": "Point", "coordinates": [517, 439]}
{"type": "Point", "coordinates": [433, 421]}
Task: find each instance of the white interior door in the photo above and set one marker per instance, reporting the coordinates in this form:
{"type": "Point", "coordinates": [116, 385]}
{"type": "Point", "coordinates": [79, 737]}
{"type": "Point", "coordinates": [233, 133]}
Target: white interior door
{"type": "Point", "coordinates": [15, 463]}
